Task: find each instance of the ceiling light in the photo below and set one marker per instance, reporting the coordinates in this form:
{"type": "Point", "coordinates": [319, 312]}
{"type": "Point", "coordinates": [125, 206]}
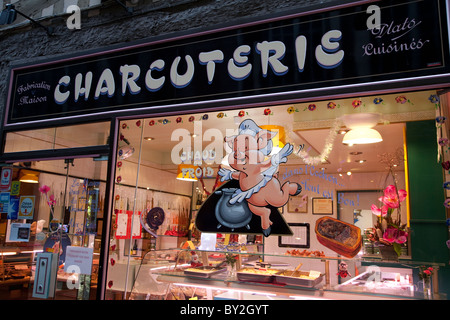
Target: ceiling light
{"type": "Point", "coordinates": [361, 125]}
{"type": "Point", "coordinates": [279, 140]}
{"type": "Point", "coordinates": [149, 138]}
{"type": "Point", "coordinates": [360, 161]}
{"type": "Point", "coordinates": [29, 176]}
{"type": "Point", "coordinates": [362, 136]}
{"type": "Point", "coordinates": [349, 173]}
{"type": "Point", "coordinates": [10, 253]}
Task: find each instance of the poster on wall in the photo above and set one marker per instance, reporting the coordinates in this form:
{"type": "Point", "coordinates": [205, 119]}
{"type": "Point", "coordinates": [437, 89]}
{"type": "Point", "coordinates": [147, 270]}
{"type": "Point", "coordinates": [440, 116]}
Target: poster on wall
{"type": "Point", "coordinates": [4, 202]}
{"type": "Point", "coordinates": [15, 188]}
{"type": "Point", "coordinates": [6, 179]}
{"type": "Point", "coordinates": [322, 206]}
{"type": "Point", "coordinates": [125, 221]}
{"type": "Point", "coordinates": [57, 242]}
{"type": "Point", "coordinates": [81, 257]}
{"type": "Point", "coordinates": [250, 200]}
{"type": "Point", "coordinates": [13, 207]}
{"type": "Point", "coordinates": [298, 204]}
{"type": "Point", "coordinates": [300, 238]}
{"type": "Point", "coordinates": [18, 232]}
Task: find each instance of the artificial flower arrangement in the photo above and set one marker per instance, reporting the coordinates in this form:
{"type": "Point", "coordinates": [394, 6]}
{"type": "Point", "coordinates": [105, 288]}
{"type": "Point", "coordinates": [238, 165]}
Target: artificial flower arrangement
{"type": "Point", "coordinates": [425, 273]}
{"type": "Point", "coordinates": [388, 229]}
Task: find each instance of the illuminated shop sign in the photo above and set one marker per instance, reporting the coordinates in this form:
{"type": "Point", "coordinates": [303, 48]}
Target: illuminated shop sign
{"type": "Point", "coordinates": [289, 55]}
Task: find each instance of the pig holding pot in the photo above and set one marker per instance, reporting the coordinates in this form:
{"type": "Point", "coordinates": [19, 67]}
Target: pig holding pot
{"type": "Point", "coordinates": [257, 172]}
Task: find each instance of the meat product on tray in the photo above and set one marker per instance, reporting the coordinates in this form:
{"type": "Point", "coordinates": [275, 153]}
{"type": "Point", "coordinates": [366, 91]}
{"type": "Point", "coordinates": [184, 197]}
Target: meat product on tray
{"type": "Point", "coordinates": [339, 236]}
{"type": "Point", "coordinates": [258, 275]}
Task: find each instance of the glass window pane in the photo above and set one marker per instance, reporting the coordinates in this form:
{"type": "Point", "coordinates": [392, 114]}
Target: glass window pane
{"type": "Point", "coordinates": [168, 169]}
{"type": "Point", "coordinates": [50, 206]}
{"type": "Point", "coordinates": [83, 135]}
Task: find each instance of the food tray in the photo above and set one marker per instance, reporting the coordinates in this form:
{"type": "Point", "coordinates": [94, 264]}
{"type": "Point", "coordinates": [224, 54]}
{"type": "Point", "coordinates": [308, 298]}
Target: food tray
{"type": "Point", "coordinates": [292, 279]}
{"type": "Point", "coordinates": [203, 271]}
{"type": "Point", "coordinates": [255, 275]}
{"type": "Point", "coordinates": [347, 250]}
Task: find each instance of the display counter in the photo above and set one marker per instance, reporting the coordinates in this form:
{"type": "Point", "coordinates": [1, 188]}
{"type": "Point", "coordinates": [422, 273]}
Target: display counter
{"type": "Point", "coordinates": [242, 275]}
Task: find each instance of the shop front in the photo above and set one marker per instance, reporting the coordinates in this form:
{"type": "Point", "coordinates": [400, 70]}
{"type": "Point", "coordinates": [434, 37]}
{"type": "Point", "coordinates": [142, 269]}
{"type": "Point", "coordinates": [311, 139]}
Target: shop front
{"type": "Point", "coordinates": [299, 157]}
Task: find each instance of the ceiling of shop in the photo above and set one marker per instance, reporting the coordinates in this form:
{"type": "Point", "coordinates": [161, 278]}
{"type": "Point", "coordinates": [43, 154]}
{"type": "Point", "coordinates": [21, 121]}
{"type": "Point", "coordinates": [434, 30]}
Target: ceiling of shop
{"type": "Point", "coordinates": [303, 127]}
{"type": "Point", "coordinates": [340, 160]}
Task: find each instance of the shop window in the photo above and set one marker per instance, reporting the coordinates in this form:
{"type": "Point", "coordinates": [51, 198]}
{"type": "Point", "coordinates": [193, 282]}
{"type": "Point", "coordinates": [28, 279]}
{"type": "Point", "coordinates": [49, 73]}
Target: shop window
{"type": "Point", "coordinates": [167, 169]}
{"type": "Point", "coordinates": [84, 135]}
{"type": "Point", "coordinates": [48, 207]}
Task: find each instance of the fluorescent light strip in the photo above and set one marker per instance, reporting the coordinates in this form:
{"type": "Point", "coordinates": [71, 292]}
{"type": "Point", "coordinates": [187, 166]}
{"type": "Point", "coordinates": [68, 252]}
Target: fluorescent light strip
{"type": "Point", "coordinates": [219, 288]}
{"type": "Point", "coordinates": [8, 253]}
{"type": "Point", "coordinates": [32, 251]}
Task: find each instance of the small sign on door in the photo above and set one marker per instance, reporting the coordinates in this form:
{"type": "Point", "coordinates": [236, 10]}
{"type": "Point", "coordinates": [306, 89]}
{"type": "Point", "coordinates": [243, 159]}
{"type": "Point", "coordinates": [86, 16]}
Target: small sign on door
{"type": "Point", "coordinates": [26, 207]}
{"type": "Point", "coordinates": [5, 179]}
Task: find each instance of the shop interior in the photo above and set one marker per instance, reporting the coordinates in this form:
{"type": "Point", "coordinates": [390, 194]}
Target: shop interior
{"type": "Point", "coordinates": [167, 167]}
{"type": "Point", "coordinates": [339, 180]}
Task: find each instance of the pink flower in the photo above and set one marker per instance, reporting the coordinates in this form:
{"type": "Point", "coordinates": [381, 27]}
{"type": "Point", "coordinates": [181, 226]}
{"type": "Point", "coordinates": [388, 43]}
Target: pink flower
{"type": "Point", "coordinates": [44, 189]}
{"type": "Point", "coordinates": [401, 195]}
{"type": "Point", "coordinates": [51, 200]}
{"type": "Point", "coordinates": [379, 211]}
{"type": "Point", "coordinates": [395, 235]}
{"type": "Point", "coordinates": [402, 237]}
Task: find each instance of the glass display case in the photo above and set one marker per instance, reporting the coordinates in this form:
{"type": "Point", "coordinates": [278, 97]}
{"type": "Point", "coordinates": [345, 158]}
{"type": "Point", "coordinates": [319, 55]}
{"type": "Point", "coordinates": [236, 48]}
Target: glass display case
{"type": "Point", "coordinates": [249, 273]}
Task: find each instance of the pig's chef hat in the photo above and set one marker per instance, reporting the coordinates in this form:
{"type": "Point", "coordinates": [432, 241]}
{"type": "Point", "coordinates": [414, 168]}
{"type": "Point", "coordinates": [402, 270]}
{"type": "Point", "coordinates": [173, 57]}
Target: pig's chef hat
{"type": "Point", "coordinates": [249, 127]}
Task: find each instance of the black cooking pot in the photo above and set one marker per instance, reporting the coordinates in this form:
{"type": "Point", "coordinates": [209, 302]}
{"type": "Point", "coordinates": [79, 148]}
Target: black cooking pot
{"type": "Point", "coordinates": [233, 216]}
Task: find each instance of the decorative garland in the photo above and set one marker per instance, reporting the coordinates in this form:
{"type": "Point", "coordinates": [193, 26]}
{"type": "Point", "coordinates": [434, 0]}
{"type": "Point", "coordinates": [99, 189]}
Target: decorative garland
{"type": "Point", "coordinates": [309, 160]}
{"type": "Point", "coordinates": [443, 143]}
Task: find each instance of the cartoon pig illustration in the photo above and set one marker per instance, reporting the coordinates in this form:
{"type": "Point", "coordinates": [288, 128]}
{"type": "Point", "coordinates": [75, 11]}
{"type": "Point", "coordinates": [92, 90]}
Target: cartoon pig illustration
{"type": "Point", "coordinates": [257, 172]}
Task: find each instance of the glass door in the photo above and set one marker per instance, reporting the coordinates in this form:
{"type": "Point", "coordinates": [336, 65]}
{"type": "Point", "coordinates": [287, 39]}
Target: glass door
{"type": "Point", "coordinates": [51, 228]}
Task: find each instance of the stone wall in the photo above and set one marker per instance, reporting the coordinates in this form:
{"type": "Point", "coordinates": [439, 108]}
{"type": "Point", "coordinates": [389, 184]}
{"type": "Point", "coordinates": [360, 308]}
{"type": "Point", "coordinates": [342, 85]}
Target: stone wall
{"type": "Point", "coordinates": [105, 23]}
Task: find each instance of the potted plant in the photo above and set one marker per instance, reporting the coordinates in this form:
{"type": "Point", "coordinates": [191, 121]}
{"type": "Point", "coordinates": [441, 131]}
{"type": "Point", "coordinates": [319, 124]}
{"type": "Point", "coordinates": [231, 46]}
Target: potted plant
{"type": "Point", "coordinates": [389, 231]}
{"type": "Point", "coordinates": [425, 275]}
{"type": "Point", "coordinates": [231, 261]}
